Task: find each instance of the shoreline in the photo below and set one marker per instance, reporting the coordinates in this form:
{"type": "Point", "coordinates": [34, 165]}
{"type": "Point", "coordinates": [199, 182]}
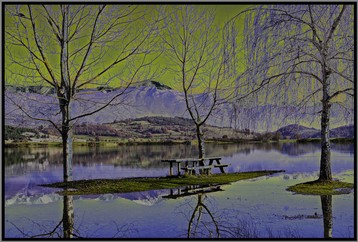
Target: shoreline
{"type": "Point", "coordinates": [35, 144]}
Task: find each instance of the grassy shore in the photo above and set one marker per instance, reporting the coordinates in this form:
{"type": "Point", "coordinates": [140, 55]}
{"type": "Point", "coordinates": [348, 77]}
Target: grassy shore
{"type": "Point", "coordinates": [317, 187]}
{"type": "Point", "coordinates": [125, 185]}
{"type": "Point", "coordinates": [333, 140]}
{"type": "Point", "coordinates": [143, 141]}
{"type": "Point", "coordinates": [84, 143]}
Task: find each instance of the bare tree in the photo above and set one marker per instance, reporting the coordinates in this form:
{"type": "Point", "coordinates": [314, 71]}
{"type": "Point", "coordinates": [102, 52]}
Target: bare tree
{"type": "Point", "coordinates": [195, 58]}
{"type": "Point", "coordinates": [70, 48]}
{"type": "Point", "coordinates": [302, 54]}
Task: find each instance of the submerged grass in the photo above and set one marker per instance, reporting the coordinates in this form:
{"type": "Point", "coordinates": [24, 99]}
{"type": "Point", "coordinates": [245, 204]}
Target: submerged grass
{"type": "Point", "coordinates": [317, 187]}
{"type": "Point", "coordinates": [101, 186]}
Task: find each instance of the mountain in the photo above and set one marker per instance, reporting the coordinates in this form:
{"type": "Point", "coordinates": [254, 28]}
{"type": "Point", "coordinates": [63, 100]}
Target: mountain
{"type": "Point", "coordinates": [152, 99]}
{"type": "Point", "coordinates": [298, 131]}
{"type": "Point", "coordinates": [134, 103]}
{"type": "Point", "coordinates": [346, 131]}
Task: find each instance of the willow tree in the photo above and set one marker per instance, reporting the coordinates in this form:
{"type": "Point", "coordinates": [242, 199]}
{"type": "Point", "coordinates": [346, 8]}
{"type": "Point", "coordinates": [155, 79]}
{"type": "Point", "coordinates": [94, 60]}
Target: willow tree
{"type": "Point", "coordinates": [74, 47]}
{"type": "Point", "coordinates": [194, 57]}
{"type": "Point", "coordinates": [303, 54]}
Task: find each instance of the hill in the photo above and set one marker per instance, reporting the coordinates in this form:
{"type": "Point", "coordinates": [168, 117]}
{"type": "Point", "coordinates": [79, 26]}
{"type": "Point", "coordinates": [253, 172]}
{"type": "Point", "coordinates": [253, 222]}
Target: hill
{"type": "Point", "coordinates": [160, 129]}
{"type": "Point", "coordinates": [151, 99]}
{"type": "Point", "coordinates": [295, 131]}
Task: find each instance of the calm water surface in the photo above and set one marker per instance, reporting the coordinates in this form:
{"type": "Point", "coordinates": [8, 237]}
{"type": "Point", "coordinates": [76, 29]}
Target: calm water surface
{"type": "Point", "coordinates": [257, 208]}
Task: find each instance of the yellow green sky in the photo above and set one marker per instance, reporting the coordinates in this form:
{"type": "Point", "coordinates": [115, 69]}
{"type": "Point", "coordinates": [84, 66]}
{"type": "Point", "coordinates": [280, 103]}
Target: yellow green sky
{"type": "Point", "coordinates": [223, 13]}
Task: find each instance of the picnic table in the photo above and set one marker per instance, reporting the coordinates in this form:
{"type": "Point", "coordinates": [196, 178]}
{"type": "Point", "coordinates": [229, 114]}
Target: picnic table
{"type": "Point", "coordinates": [192, 165]}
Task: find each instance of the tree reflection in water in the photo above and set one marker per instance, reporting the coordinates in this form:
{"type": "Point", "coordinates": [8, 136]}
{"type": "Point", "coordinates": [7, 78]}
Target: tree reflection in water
{"type": "Point", "coordinates": [200, 210]}
{"type": "Point", "coordinates": [326, 202]}
{"type": "Point", "coordinates": [67, 223]}
{"type": "Point", "coordinates": [68, 230]}
{"type": "Point", "coordinates": [68, 217]}
{"type": "Point", "coordinates": [205, 220]}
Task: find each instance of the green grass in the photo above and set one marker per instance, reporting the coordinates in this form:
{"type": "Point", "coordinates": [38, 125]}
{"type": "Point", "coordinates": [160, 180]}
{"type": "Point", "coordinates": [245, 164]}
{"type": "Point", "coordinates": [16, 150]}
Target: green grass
{"type": "Point", "coordinates": [102, 186]}
{"type": "Point", "coordinates": [288, 140]}
{"type": "Point", "coordinates": [333, 140]}
{"type": "Point", "coordinates": [342, 140]}
{"type": "Point", "coordinates": [322, 188]}
{"type": "Point", "coordinates": [32, 144]}
{"type": "Point", "coordinates": [93, 143]}
{"type": "Point", "coordinates": [309, 140]}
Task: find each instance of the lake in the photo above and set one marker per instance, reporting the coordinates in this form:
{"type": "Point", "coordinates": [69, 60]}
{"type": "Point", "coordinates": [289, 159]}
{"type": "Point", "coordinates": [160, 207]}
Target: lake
{"type": "Point", "coordinates": [256, 208]}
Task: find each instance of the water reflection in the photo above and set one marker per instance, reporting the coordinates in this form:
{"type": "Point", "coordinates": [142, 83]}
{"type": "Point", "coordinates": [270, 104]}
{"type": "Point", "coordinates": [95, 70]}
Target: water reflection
{"type": "Point", "coordinates": [201, 210]}
{"type": "Point", "coordinates": [197, 226]}
{"type": "Point", "coordinates": [26, 168]}
{"type": "Point", "coordinates": [202, 213]}
{"type": "Point", "coordinates": [65, 228]}
{"type": "Point", "coordinates": [48, 231]}
{"type": "Point", "coordinates": [326, 202]}
{"type": "Point", "coordinates": [206, 220]}
{"type": "Point", "coordinates": [68, 217]}
{"type": "Point", "coordinates": [191, 190]}
{"type": "Point", "coordinates": [145, 156]}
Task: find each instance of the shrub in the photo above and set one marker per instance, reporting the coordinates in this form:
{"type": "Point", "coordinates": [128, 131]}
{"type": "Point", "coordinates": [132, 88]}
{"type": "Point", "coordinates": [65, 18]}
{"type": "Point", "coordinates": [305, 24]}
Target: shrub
{"type": "Point", "coordinates": [277, 136]}
{"type": "Point", "coordinates": [15, 133]}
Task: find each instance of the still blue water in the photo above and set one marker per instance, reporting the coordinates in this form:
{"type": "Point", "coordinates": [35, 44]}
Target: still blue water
{"type": "Point", "coordinates": [256, 208]}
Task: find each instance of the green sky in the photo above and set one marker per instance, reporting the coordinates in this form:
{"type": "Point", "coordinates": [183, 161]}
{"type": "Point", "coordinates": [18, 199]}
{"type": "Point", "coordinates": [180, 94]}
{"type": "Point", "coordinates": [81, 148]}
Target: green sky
{"type": "Point", "coordinates": [223, 13]}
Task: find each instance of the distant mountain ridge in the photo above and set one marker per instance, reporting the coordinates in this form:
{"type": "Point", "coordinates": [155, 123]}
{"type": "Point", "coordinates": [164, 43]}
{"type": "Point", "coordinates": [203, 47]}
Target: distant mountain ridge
{"type": "Point", "coordinates": [302, 132]}
{"type": "Point", "coordinates": [152, 99]}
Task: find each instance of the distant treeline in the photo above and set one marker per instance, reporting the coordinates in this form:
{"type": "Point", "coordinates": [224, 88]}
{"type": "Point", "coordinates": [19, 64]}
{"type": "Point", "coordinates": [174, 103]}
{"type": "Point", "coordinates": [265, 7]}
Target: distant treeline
{"type": "Point", "coordinates": [157, 120]}
{"type": "Point", "coordinates": [16, 133]}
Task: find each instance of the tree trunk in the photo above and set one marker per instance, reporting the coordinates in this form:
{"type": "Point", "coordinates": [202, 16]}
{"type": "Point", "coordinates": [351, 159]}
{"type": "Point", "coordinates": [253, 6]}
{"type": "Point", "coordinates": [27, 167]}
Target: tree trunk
{"type": "Point", "coordinates": [326, 202]}
{"type": "Point", "coordinates": [67, 137]}
{"type": "Point", "coordinates": [67, 154]}
{"type": "Point", "coordinates": [201, 144]}
{"type": "Point", "coordinates": [64, 95]}
{"type": "Point", "coordinates": [68, 217]}
{"type": "Point", "coordinates": [325, 173]}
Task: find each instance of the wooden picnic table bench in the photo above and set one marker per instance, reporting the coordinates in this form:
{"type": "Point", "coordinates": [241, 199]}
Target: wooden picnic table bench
{"type": "Point", "coordinates": [192, 165]}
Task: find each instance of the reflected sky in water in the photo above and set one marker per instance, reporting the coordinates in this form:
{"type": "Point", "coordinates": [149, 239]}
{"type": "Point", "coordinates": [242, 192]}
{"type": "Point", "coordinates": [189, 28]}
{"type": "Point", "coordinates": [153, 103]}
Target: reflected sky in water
{"type": "Point", "coordinates": [256, 208]}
